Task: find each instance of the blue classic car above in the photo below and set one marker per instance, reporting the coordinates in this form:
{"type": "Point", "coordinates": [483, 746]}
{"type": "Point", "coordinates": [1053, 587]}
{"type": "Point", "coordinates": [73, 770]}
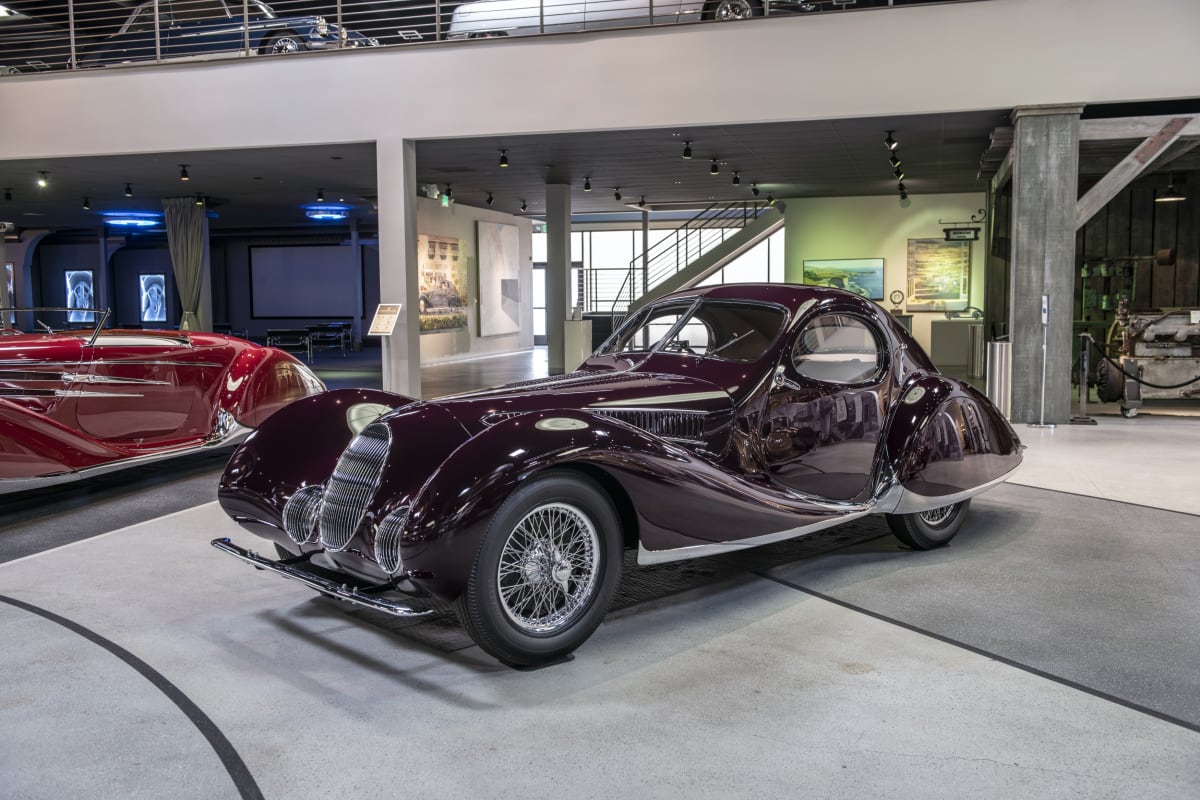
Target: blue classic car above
{"type": "Point", "coordinates": [190, 28]}
{"type": "Point", "coordinates": [713, 420]}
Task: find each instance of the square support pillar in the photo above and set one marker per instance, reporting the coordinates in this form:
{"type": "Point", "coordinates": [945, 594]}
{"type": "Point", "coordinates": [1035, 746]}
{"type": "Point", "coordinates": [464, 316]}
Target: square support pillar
{"type": "Point", "coordinates": [1045, 190]}
{"type": "Point", "coordinates": [396, 166]}
{"type": "Point", "coordinates": [558, 272]}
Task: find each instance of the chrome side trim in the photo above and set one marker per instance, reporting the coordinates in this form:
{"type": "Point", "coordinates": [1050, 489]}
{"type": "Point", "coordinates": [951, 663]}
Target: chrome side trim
{"type": "Point", "coordinates": [233, 436]}
{"type": "Point", "coordinates": [85, 393]}
{"type": "Point", "coordinates": [899, 500]}
{"type": "Point", "coordinates": [663, 399]}
{"type": "Point", "coordinates": [646, 557]}
{"type": "Point", "coordinates": [33, 363]}
{"type": "Point", "coordinates": [90, 377]}
{"type": "Point", "coordinates": [339, 590]}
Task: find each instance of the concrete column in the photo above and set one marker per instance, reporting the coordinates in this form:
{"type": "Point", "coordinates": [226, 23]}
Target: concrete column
{"type": "Point", "coordinates": [396, 165]}
{"type": "Point", "coordinates": [205, 313]}
{"type": "Point", "coordinates": [558, 271]}
{"type": "Point", "coordinates": [356, 328]}
{"type": "Point", "coordinates": [1045, 190]}
{"type": "Point", "coordinates": [100, 280]}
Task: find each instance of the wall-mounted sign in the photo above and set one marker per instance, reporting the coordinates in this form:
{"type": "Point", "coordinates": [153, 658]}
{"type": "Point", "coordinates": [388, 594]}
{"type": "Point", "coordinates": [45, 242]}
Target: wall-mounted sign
{"type": "Point", "coordinates": [961, 234]}
{"type": "Point", "coordinates": [384, 321]}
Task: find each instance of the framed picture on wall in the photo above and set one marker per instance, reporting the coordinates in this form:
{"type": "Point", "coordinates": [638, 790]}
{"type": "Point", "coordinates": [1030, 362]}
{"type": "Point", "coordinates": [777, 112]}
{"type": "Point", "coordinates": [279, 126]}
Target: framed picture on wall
{"type": "Point", "coordinates": [862, 276]}
{"type": "Point", "coordinates": [442, 271]}
{"type": "Point", "coordinates": [79, 295]}
{"type": "Point", "coordinates": [939, 274]}
{"type": "Point", "coordinates": [499, 279]}
{"type": "Point", "coordinates": [153, 288]}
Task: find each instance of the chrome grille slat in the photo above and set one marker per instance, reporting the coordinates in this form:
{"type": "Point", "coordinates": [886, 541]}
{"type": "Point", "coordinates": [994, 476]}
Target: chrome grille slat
{"type": "Point", "coordinates": [387, 540]}
{"type": "Point", "coordinates": [353, 484]}
{"type": "Point", "coordinates": [684, 425]}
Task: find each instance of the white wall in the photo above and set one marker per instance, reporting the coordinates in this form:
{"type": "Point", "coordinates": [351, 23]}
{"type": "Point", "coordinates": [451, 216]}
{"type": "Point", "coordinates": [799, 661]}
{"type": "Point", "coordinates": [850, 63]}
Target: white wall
{"type": "Point", "coordinates": [879, 227]}
{"type": "Point", "coordinates": [459, 221]}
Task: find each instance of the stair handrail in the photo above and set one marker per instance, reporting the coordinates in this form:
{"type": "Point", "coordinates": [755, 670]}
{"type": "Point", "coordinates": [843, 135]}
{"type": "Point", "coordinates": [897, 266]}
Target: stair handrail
{"type": "Point", "coordinates": [697, 233]}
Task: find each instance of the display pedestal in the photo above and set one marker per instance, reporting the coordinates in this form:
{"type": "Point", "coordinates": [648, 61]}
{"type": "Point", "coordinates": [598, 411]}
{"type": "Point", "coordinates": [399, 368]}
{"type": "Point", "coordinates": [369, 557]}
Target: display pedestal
{"type": "Point", "coordinates": [577, 342]}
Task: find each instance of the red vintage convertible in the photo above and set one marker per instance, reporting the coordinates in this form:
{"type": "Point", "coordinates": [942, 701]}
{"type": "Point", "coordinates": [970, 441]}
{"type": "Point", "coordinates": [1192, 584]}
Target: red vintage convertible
{"type": "Point", "coordinates": [76, 403]}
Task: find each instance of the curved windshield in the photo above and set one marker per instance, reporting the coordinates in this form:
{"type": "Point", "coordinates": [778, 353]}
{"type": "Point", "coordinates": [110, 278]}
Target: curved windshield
{"type": "Point", "coordinates": [721, 329]}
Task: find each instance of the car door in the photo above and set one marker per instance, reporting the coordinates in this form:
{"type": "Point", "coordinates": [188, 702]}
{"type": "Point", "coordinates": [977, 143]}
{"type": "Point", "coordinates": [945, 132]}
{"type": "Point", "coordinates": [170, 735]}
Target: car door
{"type": "Point", "coordinates": [135, 40]}
{"type": "Point", "coordinates": [825, 410]}
{"type": "Point", "coordinates": [139, 388]}
{"type": "Point", "coordinates": [618, 13]}
{"type": "Point", "coordinates": [200, 27]}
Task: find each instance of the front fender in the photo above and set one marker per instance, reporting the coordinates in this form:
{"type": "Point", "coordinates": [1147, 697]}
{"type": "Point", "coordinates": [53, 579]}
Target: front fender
{"type": "Point", "coordinates": [673, 497]}
{"type": "Point", "coordinates": [261, 381]}
{"type": "Point", "coordinates": [298, 445]}
{"type": "Point", "coordinates": [946, 440]}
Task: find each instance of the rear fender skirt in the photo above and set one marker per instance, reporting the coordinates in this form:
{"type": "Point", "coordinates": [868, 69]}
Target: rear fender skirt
{"type": "Point", "coordinates": [945, 442]}
{"type": "Point", "coordinates": [679, 500]}
{"type": "Point", "coordinates": [296, 446]}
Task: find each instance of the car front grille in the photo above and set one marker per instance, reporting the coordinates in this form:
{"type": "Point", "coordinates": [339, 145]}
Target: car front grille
{"type": "Point", "coordinates": [354, 481]}
{"type": "Point", "coordinates": [387, 540]}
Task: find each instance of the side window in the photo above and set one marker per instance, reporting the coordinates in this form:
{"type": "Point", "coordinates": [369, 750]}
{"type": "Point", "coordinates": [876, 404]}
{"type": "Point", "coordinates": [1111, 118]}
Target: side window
{"type": "Point", "coordinates": [651, 327]}
{"type": "Point", "coordinates": [837, 348]}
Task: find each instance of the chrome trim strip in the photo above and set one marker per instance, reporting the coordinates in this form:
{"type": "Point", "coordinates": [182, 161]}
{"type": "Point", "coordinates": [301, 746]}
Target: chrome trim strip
{"type": "Point", "coordinates": [339, 590]}
{"type": "Point", "coordinates": [647, 557]}
{"type": "Point", "coordinates": [85, 393]}
{"type": "Point", "coordinates": [899, 500]}
{"type": "Point", "coordinates": [88, 377]}
{"type": "Point", "coordinates": [234, 436]}
{"type": "Point", "coordinates": [647, 403]}
{"type": "Point", "coordinates": [34, 363]}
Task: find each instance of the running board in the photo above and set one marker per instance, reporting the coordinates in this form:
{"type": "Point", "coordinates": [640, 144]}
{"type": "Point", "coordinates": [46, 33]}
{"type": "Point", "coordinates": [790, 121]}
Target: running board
{"type": "Point", "coordinates": [341, 591]}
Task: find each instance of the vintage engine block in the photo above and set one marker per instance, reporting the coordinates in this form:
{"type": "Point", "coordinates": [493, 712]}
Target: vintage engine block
{"type": "Point", "coordinates": [1160, 348]}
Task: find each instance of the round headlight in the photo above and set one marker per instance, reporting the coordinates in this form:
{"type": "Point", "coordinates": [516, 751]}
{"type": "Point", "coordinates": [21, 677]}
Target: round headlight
{"type": "Point", "coordinates": [387, 541]}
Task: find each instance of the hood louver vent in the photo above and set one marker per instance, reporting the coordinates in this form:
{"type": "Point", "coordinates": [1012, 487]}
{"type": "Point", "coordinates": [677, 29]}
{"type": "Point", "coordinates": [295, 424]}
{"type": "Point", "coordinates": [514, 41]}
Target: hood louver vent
{"type": "Point", "coordinates": [685, 426]}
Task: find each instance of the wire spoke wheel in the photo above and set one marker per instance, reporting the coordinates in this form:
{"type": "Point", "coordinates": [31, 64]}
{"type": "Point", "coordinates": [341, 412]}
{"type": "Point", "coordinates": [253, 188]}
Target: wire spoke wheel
{"type": "Point", "coordinates": [548, 568]}
{"type": "Point", "coordinates": [727, 10]}
{"type": "Point", "coordinates": [925, 530]}
{"type": "Point", "coordinates": [545, 571]}
{"type": "Point", "coordinates": [938, 516]}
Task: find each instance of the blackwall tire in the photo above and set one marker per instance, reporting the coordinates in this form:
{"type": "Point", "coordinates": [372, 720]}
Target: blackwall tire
{"type": "Point", "coordinates": [926, 530]}
{"type": "Point", "coordinates": [729, 10]}
{"type": "Point", "coordinates": [545, 572]}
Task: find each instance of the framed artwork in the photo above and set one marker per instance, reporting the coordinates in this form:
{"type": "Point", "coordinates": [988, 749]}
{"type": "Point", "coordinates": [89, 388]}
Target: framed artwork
{"type": "Point", "coordinates": [442, 267]}
{"type": "Point", "coordinates": [499, 279]}
{"type": "Point", "coordinates": [79, 295]}
{"type": "Point", "coordinates": [938, 274]}
{"type": "Point", "coordinates": [153, 287]}
{"type": "Point", "coordinates": [862, 276]}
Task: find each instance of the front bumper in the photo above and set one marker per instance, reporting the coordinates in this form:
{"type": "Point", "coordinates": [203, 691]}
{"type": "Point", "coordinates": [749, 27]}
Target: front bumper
{"type": "Point", "coordinates": [342, 591]}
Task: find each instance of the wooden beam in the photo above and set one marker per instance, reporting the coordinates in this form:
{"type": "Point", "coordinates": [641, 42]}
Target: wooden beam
{"type": "Point", "coordinates": [1130, 167]}
{"type": "Point", "coordinates": [1134, 127]}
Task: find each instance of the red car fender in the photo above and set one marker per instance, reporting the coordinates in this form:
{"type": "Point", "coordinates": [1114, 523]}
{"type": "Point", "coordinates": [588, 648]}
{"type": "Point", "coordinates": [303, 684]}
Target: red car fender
{"type": "Point", "coordinates": [260, 381]}
{"type": "Point", "coordinates": [32, 445]}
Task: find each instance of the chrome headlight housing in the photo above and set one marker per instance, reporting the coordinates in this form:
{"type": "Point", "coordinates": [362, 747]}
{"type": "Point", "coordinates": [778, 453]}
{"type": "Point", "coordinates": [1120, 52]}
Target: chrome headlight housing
{"type": "Point", "coordinates": [387, 540]}
{"type": "Point", "coordinates": [322, 26]}
{"type": "Point", "coordinates": [301, 512]}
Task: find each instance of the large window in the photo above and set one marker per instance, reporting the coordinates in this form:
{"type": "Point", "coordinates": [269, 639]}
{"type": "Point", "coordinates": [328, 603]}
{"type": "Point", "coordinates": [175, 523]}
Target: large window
{"type": "Point", "coordinates": [838, 348]}
{"type": "Point", "coordinates": [730, 331]}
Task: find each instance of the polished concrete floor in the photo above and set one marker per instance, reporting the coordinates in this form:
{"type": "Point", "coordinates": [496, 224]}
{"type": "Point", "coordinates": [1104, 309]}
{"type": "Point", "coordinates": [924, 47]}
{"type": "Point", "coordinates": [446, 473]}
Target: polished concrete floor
{"type": "Point", "coordinates": [1049, 651]}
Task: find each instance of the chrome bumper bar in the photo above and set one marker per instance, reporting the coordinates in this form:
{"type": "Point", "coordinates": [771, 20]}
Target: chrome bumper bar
{"type": "Point", "coordinates": [341, 591]}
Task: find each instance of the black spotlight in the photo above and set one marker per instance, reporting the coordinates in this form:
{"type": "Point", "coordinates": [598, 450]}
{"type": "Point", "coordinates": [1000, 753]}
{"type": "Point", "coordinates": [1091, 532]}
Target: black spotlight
{"type": "Point", "coordinates": [503, 158]}
{"type": "Point", "coordinates": [715, 168]}
{"type": "Point", "coordinates": [320, 195]}
{"type": "Point", "coordinates": [894, 159]}
{"type": "Point", "coordinates": [524, 207]}
{"type": "Point", "coordinates": [899, 173]}
{"type": "Point", "coordinates": [617, 194]}
{"type": "Point", "coordinates": [770, 200]}
{"type": "Point", "coordinates": [890, 143]}
{"type": "Point", "coordinates": [87, 206]}
{"type": "Point", "coordinates": [183, 173]}
{"type": "Point", "coordinates": [8, 194]}
{"type": "Point", "coordinates": [687, 149]}
{"type": "Point", "coordinates": [736, 179]}
{"type": "Point", "coordinates": [129, 190]}
{"type": "Point", "coordinates": [642, 202]}
{"type": "Point", "coordinates": [904, 195]}
{"type": "Point", "coordinates": [199, 199]}
{"type": "Point", "coordinates": [587, 184]}
{"type": "Point", "coordinates": [900, 187]}
{"type": "Point", "coordinates": [754, 189]}
{"type": "Point", "coordinates": [490, 200]}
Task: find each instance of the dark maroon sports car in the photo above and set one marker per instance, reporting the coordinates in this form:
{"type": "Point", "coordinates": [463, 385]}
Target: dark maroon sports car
{"type": "Point", "coordinates": [714, 419]}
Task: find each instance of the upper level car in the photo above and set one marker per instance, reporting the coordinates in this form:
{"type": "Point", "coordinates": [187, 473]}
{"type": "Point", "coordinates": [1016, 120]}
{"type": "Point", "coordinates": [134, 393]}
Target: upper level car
{"type": "Point", "coordinates": [713, 420]}
{"type": "Point", "coordinates": [77, 399]}
{"type": "Point", "coordinates": [174, 29]}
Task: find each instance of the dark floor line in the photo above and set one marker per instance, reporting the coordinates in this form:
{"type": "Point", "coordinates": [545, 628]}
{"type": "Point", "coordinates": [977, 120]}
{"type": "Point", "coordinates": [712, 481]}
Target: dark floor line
{"type": "Point", "coordinates": [1103, 499]}
{"type": "Point", "coordinates": [988, 654]}
{"type": "Point", "coordinates": [237, 769]}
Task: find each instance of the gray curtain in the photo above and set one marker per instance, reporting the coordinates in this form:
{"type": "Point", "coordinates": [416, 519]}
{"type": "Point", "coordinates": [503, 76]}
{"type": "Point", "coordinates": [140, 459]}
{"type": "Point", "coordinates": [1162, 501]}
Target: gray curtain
{"type": "Point", "coordinates": [185, 238]}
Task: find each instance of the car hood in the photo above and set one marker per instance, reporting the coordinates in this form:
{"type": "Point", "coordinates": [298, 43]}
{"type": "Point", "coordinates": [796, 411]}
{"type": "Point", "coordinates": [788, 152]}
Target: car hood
{"type": "Point", "coordinates": [601, 392]}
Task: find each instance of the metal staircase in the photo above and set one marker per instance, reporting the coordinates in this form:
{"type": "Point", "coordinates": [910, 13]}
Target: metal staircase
{"type": "Point", "coordinates": [694, 251]}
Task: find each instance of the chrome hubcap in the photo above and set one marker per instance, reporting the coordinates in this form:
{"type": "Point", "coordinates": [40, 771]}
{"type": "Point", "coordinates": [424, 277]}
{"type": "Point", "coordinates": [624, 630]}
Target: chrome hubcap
{"type": "Point", "coordinates": [734, 9]}
{"type": "Point", "coordinates": [285, 46]}
{"type": "Point", "coordinates": [937, 516]}
{"type": "Point", "coordinates": [548, 568]}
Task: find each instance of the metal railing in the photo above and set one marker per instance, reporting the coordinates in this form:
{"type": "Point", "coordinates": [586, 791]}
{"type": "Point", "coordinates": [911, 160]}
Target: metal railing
{"type": "Point", "coordinates": [683, 246]}
{"type": "Point", "coordinates": [99, 33]}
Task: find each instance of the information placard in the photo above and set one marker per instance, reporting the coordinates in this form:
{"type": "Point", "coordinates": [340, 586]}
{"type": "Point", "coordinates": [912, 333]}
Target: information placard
{"type": "Point", "coordinates": [385, 318]}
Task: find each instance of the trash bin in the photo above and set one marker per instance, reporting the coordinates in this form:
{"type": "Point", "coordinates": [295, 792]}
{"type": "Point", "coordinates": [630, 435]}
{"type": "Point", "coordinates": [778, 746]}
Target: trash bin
{"type": "Point", "coordinates": [999, 376]}
{"type": "Point", "coordinates": [975, 350]}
